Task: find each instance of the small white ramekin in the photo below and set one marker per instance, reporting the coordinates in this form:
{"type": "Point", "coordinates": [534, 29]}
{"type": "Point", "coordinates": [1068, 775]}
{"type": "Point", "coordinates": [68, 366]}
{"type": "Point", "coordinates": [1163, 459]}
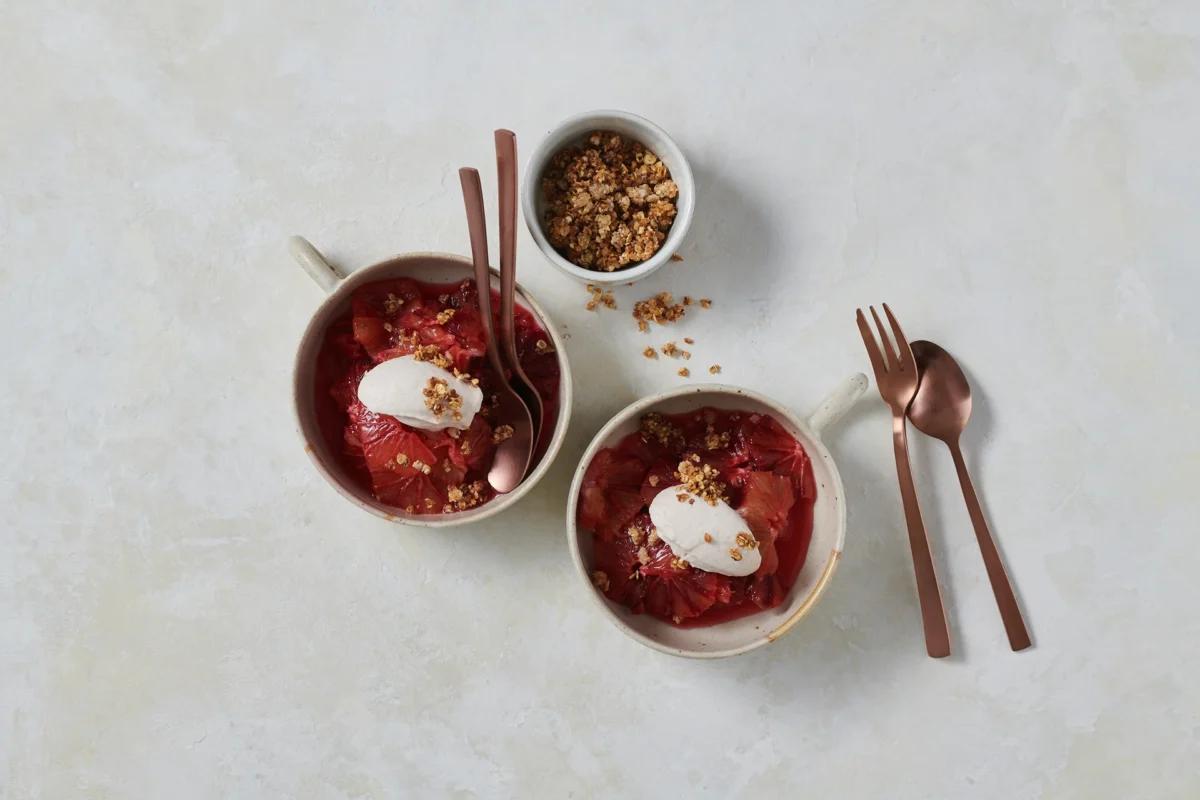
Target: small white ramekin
{"type": "Point", "coordinates": [571, 131]}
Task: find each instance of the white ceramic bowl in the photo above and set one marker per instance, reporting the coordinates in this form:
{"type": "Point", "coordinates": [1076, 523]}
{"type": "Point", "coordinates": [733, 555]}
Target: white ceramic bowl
{"type": "Point", "coordinates": [573, 130]}
{"type": "Point", "coordinates": [431, 267]}
{"type": "Point", "coordinates": [824, 551]}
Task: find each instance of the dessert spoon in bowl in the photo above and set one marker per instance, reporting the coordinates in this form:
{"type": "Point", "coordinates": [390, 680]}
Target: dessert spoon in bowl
{"type": "Point", "coordinates": [941, 409]}
{"type": "Point", "coordinates": [513, 453]}
{"type": "Point", "coordinates": [506, 169]}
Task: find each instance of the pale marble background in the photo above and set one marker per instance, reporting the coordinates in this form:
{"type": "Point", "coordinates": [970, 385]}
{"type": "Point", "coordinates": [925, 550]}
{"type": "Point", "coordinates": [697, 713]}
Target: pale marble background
{"type": "Point", "coordinates": [187, 610]}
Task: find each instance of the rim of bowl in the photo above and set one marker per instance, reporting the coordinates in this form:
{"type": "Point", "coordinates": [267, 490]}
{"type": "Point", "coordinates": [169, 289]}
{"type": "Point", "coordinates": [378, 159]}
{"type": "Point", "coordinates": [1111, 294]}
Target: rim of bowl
{"type": "Point", "coordinates": [806, 604]}
{"type": "Point", "coordinates": [685, 208]}
{"type": "Point", "coordinates": [501, 501]}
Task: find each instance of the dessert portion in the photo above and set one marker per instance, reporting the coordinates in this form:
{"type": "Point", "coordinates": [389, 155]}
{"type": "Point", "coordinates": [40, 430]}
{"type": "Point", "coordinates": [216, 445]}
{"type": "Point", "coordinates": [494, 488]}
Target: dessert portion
{"type": "Point", "coordinates": [699, 518]}
{"type": "Point", "coordinates": [609, 202]}
{"type": "Point", "coordinates": [405, 395]}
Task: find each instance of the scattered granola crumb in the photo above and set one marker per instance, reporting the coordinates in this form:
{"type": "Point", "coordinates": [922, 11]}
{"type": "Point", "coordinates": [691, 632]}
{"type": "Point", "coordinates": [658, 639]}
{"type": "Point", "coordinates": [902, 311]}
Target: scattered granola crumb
{"type": "Point", "coordinates": [685, 372]}
{"type": "Point", "coordinates": [708, 537]}
{"type": "Point", "coordinates": [428, 352]}
{"type": "Point", "coordinates": [715, 369]}
{"type": "Point", "coordinates": [688, 340]}
{"type": "Point", "coordinates": [714, 440]}
{"type": "Point", "coordinates": [635, 534]}
{"type": "Point", "coordinates": [687, 300]}
{"type": "Point", "coordinates": [542, 346]}
{"type": "Point", "coordinates": [653, 425]}
{"type": "Point", "coordinates": [676, 257]}
{"type": "Point", "coordinates": [679, 563]}
{"type": "Point", "coordinates": [653, 480]}
{"type": "Point", "coordinates": [600, 580]}
{"type": "Point", "coordinates": [643, 556]}
{"type": "Point", "coordinates": [421, 466]}
{"type": "Point", "coordinates": [502, 433]}
{"type": "Point", "coordinates": [650, 352]}
{"type": "Point", "coordinates": [445, 316]}
{"type": "Point", "coordinates": [460, 498]}
{"type": "Point", "coordinates": [600, 297]}
{"type": "Point", "coordinates": [652, 538]}
{"type": "Point", "coordinates": [705, 302]}
{"type": "Point", "coordinates": [609, 202]}
{"type": "Point", "coordinates": [735, 554]}
{"type": "Point", "coordinates": [392, 304]}
{"type": "Point", "coordinates": [745, 539]}
{"type": "Point", "coordinates": [701, 481]}
{"type": "Point", "coordinates": [402, 459]}
{"type": "Point", "coordinates": [441, 399]}
{"type": "Point", "coordinates": [670, 349]}
{"type": "Point", "coordinates": [660, 308]}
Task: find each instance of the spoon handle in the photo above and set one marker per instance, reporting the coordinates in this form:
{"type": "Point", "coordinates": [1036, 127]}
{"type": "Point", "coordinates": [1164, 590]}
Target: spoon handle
{"type": "Point", "coordinates": [1010, 612]}
{"type": "Point", "coordinates": [472, 191]}
{"type": "Point", "coordinates": [933, 613]}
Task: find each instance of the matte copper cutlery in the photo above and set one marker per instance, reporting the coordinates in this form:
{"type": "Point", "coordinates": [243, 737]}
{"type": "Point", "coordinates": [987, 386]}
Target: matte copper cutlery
{"type": "Point", "coordinates": [897, 379]}
{"type": "Point", "coordinates": [506, 168]}
{"type": "Point", "coordinates": [941, 409]}
{"type": "Point", "coordinates": [514, 453]}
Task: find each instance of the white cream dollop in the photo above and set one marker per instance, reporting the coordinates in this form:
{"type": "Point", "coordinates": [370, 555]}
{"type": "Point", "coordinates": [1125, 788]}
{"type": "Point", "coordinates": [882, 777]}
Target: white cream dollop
{"type": "Point", "coordinates": [705, 536]}
{"type": "Point", "coordinates": [396, 388]}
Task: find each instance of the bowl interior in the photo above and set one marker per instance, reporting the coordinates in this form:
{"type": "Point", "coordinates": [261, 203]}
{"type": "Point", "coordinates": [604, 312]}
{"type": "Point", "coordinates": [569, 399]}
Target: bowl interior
{"type": "Point", "coordinates": [431, 268]}
{"type": "Point", "coordinates": [743, 634]}
{"type": "Point", "coordinates": [573, 132]}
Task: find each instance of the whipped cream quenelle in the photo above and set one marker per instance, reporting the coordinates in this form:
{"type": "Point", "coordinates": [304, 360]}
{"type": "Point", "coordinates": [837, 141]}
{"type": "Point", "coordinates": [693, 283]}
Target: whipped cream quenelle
{"type": "Point", "coordinates": [714, 538]}
{"type": "Point", "coordinates": [420, 394]}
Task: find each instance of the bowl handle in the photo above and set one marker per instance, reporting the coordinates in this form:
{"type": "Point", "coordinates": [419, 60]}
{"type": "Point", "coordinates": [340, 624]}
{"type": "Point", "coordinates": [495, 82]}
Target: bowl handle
{"type": "Point", "coordinates": [325, 274]}
{"type": "Point", "coordinates": [838, 402]}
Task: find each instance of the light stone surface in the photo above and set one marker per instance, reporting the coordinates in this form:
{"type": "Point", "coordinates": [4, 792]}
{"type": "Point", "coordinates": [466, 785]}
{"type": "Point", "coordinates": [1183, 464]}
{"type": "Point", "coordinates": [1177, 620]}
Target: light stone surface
{"type": "Point", "coordinates": [187, 610]}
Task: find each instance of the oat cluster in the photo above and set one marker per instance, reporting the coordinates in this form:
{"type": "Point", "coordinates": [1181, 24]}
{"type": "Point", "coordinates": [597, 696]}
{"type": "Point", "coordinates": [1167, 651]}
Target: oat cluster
{"type": "Point", "coordinates": [701, 480]}
{"type": "Point", "coordinates": [441, 399]}
{"type": "Point", "coordinates": [609, 202]}
{"type": "Point", "coordinates": [502, 433]}
{"type": "Point", "coordinates": [675, 351]}
{"type": "Point", "coordinates": [660, 308]}
{"type": "Point", "coordinates": [427, 352]}
{"type": "Point", "coordinates": [654, 426]}
{"type": "Point", "coordinates": [600, 297]}
{"type": "Point", "coordinates": [461, 498]}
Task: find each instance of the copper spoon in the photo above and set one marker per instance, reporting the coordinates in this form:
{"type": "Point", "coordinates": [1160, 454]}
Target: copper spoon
{"type": "Point", "coordinates": [941, 409]}
{"type": "Point", "coordinates": [506, 168]}
{"type": "Point", "coordinates": [512, 454]}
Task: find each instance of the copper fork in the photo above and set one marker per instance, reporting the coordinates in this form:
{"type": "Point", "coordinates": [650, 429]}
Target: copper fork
{"type": "Point", "coordinates": [897, 378]}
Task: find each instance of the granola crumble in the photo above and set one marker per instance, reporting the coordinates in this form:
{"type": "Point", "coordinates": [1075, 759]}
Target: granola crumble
{"type": "Point", "coordinates": [735, 554]}
{"type": "Point", "coordinates": [660, 308]}
{"type": "Point", "coordinates": [600, 297]}
{"type": "Point", "coordinates": [542, 346]}
{"type": "Point", "coordinates": [650, 352]}
{"type": "Point", "coordinates": [635, 534]}
{"type": "Point", "coordinates": [600, 580]}
{"type": "Point", "coordinates": [502, 433]}
{"type": "Point", "coordinates": [688, 340]}
{"type": "Point", "coordinates": [701, 481]}
{"type": "Point", "coordinates": [445, 316]}
{"type": "Point", "coordinates": [715, 369]}
{"type": "Point", "coordinates": [441, 399]}
{"type": "Point", "coordinates": [679, 563]}
{"type": "Point", "coordinates": [685, 372]}
{"type": "Point", "coordinates": [609, 202]}
{"type": "Point", "coordinates": [746, 540]}
{"type": "Point", "coordinates": [465, 496]}
{"type": "Point", "coordinates": [653, 425]}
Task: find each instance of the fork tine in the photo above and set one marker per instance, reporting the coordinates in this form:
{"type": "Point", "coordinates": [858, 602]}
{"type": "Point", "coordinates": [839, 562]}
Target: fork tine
{"type": "Point", "coordinates": [906, 356]}
{"type": "Point", "coordinates": [872, 348]}
{"type": "Point", "coordinates": [893, 360]}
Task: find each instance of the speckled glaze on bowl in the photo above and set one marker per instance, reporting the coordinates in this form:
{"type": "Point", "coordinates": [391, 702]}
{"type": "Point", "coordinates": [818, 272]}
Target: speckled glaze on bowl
{"type": "Point", "coordinates": [824, 551]}
{"type": "Point", "coordinates": [572, 131]}
{"type": "Point", "coordinates": [430, 267]}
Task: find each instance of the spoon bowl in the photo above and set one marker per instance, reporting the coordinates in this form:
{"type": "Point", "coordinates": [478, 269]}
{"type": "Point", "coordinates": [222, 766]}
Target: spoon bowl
{"type": "Point", "coordinates": [942, 405]}
{"type": "Point", "coordinates": [941, 409]}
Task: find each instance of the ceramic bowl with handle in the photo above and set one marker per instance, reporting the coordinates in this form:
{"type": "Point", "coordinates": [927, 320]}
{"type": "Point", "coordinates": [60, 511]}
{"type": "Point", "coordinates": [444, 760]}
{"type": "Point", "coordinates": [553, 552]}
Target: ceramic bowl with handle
{"type": "Point", "coordinates": [340, 285]}
{"type": "Point", "coordinates": [824, 551]}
